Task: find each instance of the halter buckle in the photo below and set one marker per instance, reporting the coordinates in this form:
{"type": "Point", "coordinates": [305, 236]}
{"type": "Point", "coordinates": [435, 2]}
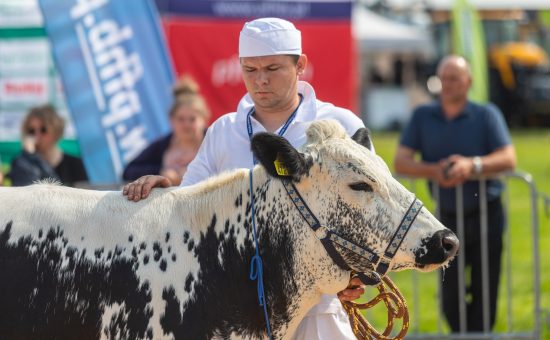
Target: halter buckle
{"type": "Point", "coordinates": [321, 232]}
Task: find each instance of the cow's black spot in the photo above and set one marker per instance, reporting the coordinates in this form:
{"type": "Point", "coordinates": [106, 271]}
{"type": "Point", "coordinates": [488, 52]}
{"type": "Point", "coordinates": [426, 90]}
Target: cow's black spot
{"type": "Point", "coordinates": [239, 218]}
{"type": "Point", "coordinates": [173, 257]}
{"type": "Point", "coordinates": [167, 238]}
{"type": "Point", "coordinates": [131, 238]}
{"type": "Point", "coordinates": [145, 259]}
{"type": "Point", "coordinates": [99, 252]}
{"type": "Point", "coordinates": [163, 265]}
{"type": "Point", "coordinates": [226, 227]}
{"type": "Point", "coordinates": [143, 246]}
{"type": "Point", "coordinates": [191, 245]}
{"type": "Point", "coordinates": [188, 281]}
{"type": "Point", "coordinates": [185, 237]}
{"type": "Point", "coordinates": [40, 233]}
{"type": "Point", "coordinates": [169, 249]}
{"type": "Point", "coordinates": [157, 251]}
{"type": "Point", "coordinates": [60, 294]}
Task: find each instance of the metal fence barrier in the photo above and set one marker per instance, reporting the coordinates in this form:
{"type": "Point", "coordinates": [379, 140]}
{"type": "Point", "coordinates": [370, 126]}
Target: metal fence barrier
{"type": "Point", "coordinates": [506, 272]}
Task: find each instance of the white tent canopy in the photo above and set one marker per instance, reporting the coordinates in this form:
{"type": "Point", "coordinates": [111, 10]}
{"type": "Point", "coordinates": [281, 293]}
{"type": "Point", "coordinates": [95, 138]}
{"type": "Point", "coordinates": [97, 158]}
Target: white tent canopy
{"type": "Point", "coordinates": [376, 33]}
{"type": "Point", "coordinates": [481, 4]}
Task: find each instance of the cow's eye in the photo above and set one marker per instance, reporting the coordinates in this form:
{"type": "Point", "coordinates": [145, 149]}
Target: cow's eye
{"type": "Point", "coordinates": [361, 186]}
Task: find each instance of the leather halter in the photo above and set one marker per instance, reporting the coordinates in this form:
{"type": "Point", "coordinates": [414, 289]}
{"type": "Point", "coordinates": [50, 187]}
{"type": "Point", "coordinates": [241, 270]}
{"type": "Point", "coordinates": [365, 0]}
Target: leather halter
{"type": "Point", "coordinates": [330, 238]}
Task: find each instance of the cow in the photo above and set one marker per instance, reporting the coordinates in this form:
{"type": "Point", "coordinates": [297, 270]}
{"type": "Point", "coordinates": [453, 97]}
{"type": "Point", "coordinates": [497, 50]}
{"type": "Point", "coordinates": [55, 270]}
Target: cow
{"type": "Point", "coordinates": [87, 264]}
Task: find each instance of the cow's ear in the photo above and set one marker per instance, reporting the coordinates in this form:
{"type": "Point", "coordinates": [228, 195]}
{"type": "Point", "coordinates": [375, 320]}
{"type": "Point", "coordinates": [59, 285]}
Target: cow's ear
{"type": "Point", "coordinates": [362, 136]}
{"type": "Point", "coordinates": [278, 156]}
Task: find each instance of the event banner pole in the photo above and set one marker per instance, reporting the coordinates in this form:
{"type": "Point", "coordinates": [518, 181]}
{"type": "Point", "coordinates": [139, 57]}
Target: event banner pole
{"type": "Point", "coordinates": [116, 75]}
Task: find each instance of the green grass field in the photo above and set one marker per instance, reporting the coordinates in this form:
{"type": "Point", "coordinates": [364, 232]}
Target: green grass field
{"type": "Point", "coordinates": [533, 150]}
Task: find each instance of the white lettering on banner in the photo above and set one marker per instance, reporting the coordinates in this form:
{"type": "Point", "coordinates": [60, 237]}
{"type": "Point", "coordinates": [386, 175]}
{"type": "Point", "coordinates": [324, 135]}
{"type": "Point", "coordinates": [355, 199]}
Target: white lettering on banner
{"type": "Point", "coordinates": [226, 71]}
{"type": "Point", "coordinates": [84, 7]}
{"type": "Point", "coordinates": [253, 9]}
{"type": "Point", "coordinates": [113, 74]}
{"type": "Point", "coordinates": [111, 35]}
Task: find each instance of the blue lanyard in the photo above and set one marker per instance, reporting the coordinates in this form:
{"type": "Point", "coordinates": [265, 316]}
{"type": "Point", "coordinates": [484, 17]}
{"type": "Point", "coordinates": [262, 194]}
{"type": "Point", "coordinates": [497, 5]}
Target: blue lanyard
{"type": "Point", "coordinates": [281, 131]}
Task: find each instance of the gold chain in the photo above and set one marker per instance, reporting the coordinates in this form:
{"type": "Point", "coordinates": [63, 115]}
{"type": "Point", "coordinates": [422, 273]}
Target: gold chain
{"type": "Point", "coordinates": [395, 304]}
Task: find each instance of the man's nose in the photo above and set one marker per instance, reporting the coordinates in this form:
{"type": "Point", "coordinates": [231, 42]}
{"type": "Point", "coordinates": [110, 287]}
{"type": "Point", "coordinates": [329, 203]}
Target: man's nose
{"type": "Point", "coordinates": [262, 78]}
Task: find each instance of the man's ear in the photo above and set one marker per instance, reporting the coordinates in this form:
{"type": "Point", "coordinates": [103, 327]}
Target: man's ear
{"type": "Point", "coordinates": [301, 64]}
{"type": "Point", "coordinates": [279, 157]}
{"type": "Point", "coordinates": [362, 136]}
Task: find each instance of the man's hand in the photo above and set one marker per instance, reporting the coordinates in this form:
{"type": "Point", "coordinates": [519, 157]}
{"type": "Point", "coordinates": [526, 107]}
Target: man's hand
{"type": "Point", "coordinates": [354, 291]}
{"type": "Point", "coordinates": [141, 187]}
{"type": "Point", "coordinates": [456, 170]}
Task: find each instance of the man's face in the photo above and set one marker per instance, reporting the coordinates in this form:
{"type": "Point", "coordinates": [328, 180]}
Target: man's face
{"type": "Point", "coordinates": [272, 81]}
{"type": "Point", "coordinates": [455, 82]}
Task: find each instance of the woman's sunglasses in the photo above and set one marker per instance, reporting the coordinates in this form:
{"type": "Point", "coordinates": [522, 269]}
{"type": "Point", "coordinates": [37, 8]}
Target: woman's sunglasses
{"type": "Point", "coordinates": [32, 131]}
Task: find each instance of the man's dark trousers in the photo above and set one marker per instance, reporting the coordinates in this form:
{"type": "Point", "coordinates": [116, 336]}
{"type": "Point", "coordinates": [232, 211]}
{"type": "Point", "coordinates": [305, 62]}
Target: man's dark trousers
{"type": "Point", "coordinates": [472, 251]}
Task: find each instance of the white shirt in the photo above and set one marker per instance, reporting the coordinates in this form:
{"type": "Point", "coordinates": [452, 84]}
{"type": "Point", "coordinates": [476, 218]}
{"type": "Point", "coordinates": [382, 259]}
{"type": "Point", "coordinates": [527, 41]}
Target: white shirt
{"type": "Point", "coordinates": [226, 146]}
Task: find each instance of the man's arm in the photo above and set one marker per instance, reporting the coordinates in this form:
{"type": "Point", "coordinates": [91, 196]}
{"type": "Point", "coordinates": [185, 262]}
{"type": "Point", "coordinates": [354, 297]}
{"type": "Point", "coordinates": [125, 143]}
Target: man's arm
{"type": "Point", "coordinates": [405, 164]}
{"type": "Point", "coordinates": [501, 159]}
{"type": "Point", "coordinates": [440, 172]}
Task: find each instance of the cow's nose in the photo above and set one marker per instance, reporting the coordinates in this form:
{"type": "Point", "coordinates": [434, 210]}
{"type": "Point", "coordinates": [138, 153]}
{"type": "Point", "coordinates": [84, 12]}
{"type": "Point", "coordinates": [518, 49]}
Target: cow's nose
{"type": "Point", "coordinates": [440, 247]}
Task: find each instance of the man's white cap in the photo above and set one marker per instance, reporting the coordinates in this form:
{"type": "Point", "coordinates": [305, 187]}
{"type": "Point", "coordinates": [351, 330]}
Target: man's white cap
{"type": "Point", "coordinates": [269, 36]}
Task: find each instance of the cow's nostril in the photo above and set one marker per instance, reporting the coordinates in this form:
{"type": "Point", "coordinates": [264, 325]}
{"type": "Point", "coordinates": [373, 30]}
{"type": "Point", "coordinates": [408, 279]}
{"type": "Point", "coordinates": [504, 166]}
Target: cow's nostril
{"type": "Point", "coordinates": [450, 244]}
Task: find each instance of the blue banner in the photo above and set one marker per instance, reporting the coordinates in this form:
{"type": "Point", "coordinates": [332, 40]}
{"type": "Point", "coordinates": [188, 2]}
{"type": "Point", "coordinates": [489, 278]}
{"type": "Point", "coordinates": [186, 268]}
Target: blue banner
{"type": "Point", "coordinates": [116, 75]}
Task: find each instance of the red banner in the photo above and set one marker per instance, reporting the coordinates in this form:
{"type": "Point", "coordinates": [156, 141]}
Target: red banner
{"type": "Point", "coordinates": [207, 49]}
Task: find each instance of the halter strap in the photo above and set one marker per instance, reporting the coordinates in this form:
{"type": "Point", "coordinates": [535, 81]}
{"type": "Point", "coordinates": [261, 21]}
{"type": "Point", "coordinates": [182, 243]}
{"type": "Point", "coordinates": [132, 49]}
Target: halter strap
{"type": "Point", "coordinates": [329, 238]}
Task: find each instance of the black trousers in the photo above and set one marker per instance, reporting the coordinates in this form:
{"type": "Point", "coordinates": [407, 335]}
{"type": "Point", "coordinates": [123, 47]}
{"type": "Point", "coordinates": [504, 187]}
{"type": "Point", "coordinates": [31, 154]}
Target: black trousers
{"type": "Point", "coordinates": [472, 251]}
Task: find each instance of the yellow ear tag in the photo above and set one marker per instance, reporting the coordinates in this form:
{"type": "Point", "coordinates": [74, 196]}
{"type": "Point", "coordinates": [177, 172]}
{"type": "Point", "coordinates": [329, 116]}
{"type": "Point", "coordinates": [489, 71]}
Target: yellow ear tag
{"type": "Point", "coordinates": [280, 167]}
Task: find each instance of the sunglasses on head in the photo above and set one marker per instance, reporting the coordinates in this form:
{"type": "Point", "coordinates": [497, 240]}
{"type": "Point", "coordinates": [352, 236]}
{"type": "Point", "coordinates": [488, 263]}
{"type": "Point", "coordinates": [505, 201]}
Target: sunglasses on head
{"type": "Point", "coordinates": [32, 131]}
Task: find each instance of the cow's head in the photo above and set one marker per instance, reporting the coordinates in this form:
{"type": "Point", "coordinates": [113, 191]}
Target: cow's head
{"type": "Point", "coordinates": [351, 190]}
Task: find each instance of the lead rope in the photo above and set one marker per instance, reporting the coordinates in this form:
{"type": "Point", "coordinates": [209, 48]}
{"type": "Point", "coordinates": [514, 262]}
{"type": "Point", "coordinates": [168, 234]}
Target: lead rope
{"type": "Point", "coordinates": [256, 268]}
{"type": "Point", "coordinates": [395, 304]}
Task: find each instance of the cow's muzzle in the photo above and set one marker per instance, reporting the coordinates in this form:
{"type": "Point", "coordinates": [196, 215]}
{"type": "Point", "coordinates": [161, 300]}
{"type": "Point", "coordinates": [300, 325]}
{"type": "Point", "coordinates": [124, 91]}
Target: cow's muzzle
{"type": "Point", "coordinates": [438, 249]}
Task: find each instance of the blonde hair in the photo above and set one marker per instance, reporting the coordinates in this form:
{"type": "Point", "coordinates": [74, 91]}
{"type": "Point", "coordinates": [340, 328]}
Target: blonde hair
{"type": "Point", "coordinates": [186, 93]}
{"type": "Point", "coordinates": [48, 116]}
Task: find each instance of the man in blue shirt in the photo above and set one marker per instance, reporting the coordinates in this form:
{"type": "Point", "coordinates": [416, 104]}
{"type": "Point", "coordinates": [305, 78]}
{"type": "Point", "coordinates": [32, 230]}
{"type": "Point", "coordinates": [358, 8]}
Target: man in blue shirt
{"type": "Point", "coordinates": [458, 139]}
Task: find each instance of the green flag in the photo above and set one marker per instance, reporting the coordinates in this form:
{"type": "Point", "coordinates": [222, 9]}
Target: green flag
{"type": "Point", "coordinates": [469, 42]}
{"type": "Point", "coordinates": [544, 17]}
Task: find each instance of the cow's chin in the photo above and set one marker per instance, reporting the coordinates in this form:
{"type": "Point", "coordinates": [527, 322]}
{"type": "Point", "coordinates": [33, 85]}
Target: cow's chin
{"type": "Point", "coordinates": [336, 282]}
{"type": "Point", "coordinates": [420, 267]}
{"type": "Point", "coordinates": [431, 267]}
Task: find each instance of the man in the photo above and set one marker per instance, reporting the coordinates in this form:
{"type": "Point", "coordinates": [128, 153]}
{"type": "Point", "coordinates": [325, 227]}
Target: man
{"type": "Point", "coordinates": [271, 58]}
{"type": "Point", "coordinates": [458, 139]}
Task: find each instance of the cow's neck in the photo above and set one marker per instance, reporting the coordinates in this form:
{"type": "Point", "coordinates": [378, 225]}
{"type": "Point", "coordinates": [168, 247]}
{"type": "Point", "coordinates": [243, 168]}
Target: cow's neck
{"type": "Point", "coordinates": [227, 281]}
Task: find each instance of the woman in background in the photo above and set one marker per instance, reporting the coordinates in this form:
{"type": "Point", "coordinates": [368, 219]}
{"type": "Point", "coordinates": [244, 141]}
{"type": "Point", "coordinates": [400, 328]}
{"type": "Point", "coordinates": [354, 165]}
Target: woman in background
{"type": "Point", "coordinates": [170, 155]}
{"type": "Point", "coordinates": [41, 157]}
